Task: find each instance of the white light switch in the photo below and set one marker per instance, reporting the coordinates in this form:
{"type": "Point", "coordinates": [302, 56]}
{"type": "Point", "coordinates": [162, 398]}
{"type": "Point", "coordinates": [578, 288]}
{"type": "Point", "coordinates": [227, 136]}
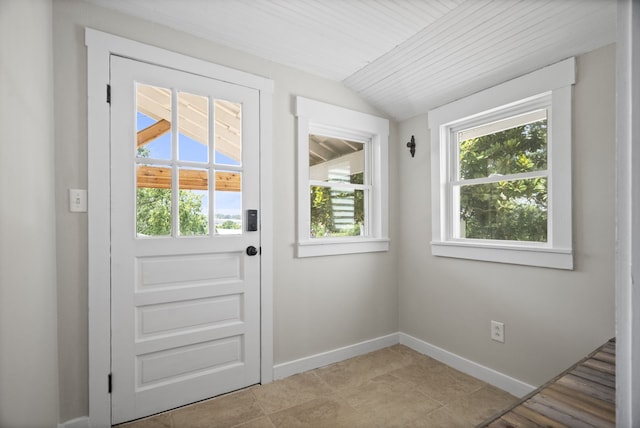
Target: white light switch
{"type": "Point", "coordinates": [77, 200]}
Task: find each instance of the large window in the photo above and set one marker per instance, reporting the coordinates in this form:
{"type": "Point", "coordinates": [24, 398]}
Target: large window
{"type": "Point", "coordinates": [342, 180]}
{"type": "Point", "coordinates": [502, 172]}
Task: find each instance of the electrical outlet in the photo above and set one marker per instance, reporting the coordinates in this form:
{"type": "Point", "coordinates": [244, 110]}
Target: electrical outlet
{"type": "Point", "coordinates": [497, 331]}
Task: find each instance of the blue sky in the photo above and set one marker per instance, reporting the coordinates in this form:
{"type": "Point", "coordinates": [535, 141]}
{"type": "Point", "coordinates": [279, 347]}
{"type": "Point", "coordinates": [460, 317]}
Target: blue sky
{"type": "Point", "coordinates": [190, 150]}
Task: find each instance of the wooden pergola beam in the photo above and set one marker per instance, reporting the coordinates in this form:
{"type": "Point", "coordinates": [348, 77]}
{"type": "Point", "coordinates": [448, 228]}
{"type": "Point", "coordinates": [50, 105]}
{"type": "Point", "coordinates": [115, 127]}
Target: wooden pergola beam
{"type": "Point", "coordinates": [157, 177]}
{"type": "Point", "coordinates": [152, 132]}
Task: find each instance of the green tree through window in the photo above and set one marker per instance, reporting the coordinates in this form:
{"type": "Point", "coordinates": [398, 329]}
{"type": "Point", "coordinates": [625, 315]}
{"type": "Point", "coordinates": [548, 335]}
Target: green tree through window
{"type": "Point", "coordinates": [322, 209]}
{"type": "Point", "coordinates": [153, 210]}
{"type": "Point", "coordinates": [513, 209]}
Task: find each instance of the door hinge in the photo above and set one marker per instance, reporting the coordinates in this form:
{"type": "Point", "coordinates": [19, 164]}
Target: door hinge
{"type": "Point", "coordinates": [109, 383]}
{"type": "Point", "coordinates": [109, 94]}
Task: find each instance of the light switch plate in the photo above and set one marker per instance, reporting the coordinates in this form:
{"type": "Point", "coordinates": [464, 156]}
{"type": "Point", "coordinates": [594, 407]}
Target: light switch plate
{"type": "Point", "coordinates": [78, 200]}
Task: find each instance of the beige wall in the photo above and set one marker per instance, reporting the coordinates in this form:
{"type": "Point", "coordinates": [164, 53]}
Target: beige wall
{"type": "Point", "coordinates": [552, 317]}
{"type": "Point", "coordinates": [28, 347]}
{"type": "Point", "coordinates": [319, 303]}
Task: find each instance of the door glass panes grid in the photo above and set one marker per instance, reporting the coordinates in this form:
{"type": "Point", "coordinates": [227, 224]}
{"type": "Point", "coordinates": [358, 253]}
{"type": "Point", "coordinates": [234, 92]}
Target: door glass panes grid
{"type": "Point", "coordinates": [500, 179]}
{"type": "Point", "coordinates": [174, 166]}
{"type": "Point", "coordinates": [339, 187]}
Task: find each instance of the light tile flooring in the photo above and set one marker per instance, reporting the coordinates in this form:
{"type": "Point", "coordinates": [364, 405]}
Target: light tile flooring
{"type": "Point", "coordinates": [393, 387]}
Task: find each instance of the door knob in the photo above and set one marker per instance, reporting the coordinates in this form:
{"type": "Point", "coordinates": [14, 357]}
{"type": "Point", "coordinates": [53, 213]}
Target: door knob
{"type": "Point", "coordinates": [251, 250]}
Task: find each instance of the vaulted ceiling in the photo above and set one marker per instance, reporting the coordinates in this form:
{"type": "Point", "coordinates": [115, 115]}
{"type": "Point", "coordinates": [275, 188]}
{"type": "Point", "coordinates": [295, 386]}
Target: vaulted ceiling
{"type": "Point", "coordinates": [403, 56]}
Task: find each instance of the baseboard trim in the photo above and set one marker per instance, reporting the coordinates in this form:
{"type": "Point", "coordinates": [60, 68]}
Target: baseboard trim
{"type": "Point", "coordinates": [82, 422]}
{"type": "Point", "coordinates": [280, 371]}
{"type": "Point", "coordinates": [492, 377]}
{"type": "Point", "coordinates": [283, 370]}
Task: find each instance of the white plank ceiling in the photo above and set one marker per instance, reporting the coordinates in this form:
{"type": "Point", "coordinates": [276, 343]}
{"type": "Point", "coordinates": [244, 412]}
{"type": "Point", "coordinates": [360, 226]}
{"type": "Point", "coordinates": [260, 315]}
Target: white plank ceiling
{"type": "Point", "coordinates": [403, 56]}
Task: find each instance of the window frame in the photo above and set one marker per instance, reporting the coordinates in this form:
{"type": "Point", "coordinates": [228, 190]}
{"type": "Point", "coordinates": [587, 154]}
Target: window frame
{"type": "Point", "coordinates": [501, 101]}
{"type": "Point", "coordinates": [315, 117]}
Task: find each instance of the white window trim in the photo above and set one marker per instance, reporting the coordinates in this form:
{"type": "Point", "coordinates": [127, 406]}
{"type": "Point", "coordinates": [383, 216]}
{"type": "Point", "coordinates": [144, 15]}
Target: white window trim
{"type": "Point", "coordinates": [556, 79]}
{"type": "Point", "coordinates": [332, 120]}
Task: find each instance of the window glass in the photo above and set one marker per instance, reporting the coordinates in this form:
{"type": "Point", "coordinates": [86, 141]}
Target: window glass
{"type": "Point", "coordinates": [153, 201]}
{"type": "Point", "coordinates": [193, 204]}
{"type": "Point", "coordinates": [193, 127]}
{"type": "Point", "coordinates": [499, 149]}
{"type": "Point", "coordinates": [500, 204]}
{"type": "Point", "coordinates": [228, 203]}
{"type": "Point", "coordinates": [153, 122]}
{"type": "Point", "coordinates": [228, 132]}
{"type": "Point", "coordinates": [336, 160]}
{"type": "Point", "coordinates": [337, 211]}
{"type": "Point", "coordinates": [507, 210]}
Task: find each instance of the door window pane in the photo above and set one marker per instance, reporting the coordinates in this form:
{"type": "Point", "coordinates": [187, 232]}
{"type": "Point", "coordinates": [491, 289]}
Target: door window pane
{"type": "Point", "coordinates": [153, 201]}
{"type": "Point", "coordinates": [193, 129]}
{"type": "Point", "coordinates": [228, 203]}
{"type": "Point", "coordinates": [228, 132]}
{"type": "Point", "coordinates": [193, 202]}
{"type": "Point", "coordinates": [153, 122]}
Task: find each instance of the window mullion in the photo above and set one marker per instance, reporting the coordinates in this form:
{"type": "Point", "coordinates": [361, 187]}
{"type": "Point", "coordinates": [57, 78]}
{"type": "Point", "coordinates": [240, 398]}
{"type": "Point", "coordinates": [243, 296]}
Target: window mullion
{"type": "Point", "coordinates": [499, 178]}
{"type": "Point", "coordinates": [338, 185]}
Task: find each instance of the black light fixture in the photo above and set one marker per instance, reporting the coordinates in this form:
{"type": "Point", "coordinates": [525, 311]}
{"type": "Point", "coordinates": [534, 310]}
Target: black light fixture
{"type": "Point", "coordinates": [412, 146]}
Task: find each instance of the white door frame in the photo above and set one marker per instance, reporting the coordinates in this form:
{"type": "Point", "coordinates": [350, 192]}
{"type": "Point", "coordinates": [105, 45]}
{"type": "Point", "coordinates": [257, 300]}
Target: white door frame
{"type": "Point", "coordinates": [100, 46]}
{"type": "Point", "coordinates": [627, 211]}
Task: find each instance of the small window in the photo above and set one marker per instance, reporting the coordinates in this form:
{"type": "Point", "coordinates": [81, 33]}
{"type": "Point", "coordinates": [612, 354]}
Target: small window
{"type": "Point", "coordinates": [342, 180]}
{"type": "Point", "coordinates": [502, 174]}
{"type": "Point", "coordinates": [339, 187]}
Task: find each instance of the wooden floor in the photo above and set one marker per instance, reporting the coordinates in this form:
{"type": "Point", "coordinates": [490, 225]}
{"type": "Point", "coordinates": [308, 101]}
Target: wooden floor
{"type": "Point", "coordinates": [582, 396]}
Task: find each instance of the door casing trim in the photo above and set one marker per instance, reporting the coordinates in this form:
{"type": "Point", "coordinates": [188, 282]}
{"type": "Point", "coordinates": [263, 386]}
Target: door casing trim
{"type": "Point", "coordinates": [100, 46]}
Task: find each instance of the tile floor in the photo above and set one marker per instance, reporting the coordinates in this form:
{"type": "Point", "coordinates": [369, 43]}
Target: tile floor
{"type": "Point", "coordinates": [393, 387]}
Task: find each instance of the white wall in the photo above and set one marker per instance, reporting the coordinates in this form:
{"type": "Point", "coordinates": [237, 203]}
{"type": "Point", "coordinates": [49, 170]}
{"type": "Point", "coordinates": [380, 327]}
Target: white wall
{"type": "Point", "coordinates": [552, 317]}
{"type": "Point", "coordinates": [28, 323]}
{"type": "Point", "coordinates": [319, 303]}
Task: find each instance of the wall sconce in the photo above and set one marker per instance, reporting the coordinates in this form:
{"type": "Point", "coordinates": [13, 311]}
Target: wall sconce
{"type": "Point", "coordinates": [412, 146]}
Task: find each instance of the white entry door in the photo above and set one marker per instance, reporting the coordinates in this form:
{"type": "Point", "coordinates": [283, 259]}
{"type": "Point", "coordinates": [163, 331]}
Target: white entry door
{"type": "Point", "coordinates": [185, 263]}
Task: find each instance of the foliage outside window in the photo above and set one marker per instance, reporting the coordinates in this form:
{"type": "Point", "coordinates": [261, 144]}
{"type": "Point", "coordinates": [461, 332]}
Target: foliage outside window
{"type": "Point", "coordinates": [342, 180]}
{"type": "Point", "coordinates": [175, 170]}
{"type": "Point", "coordinates": [337, 187]}
{"type": "Point", "coordinates": [501, 182]}
{"type": "Point", "coordinates": [501, 172]}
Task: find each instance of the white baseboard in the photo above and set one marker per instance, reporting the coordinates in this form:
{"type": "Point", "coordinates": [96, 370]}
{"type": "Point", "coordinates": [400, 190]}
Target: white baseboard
{"type": "Point", "coordinates": [283, 370]}
{"type": "Point", "coordinates": [82, 422]}
{"type": "Point", "coordinates": [312, 362]}
{"type": "Point", "coordinates": [492, 377]}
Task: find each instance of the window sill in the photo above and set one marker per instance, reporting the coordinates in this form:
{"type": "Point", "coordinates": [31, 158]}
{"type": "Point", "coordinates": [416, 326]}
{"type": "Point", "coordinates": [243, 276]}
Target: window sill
{"type": "Point", "coordinates": [512, 254]}
{"type": "Point", "coordinates": [333, 247]}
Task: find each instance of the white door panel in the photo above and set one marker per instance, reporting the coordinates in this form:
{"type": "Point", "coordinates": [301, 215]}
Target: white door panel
{"type": "Point", "coordinates": [185, 309]}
